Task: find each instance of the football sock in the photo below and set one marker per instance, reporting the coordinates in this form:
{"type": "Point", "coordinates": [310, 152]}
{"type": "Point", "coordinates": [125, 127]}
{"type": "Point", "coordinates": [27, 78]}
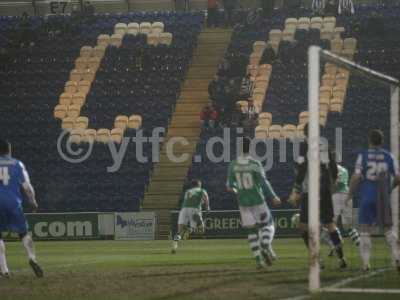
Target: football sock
{"type": "Point", "coordinates": [337, 242]}
{"type": "Point", "coordinates": [365, 247]}
{"type": "Point", "coordinates": [354, 236]}
{"type": "Point", "coordinates": [392, 241]}
{"type": "Point", "coordinates": [3, 262]}
{"type": "Point", "coordinates": [266, 234]}
{"type": "Point", "coordinates": [304, 235]}
{"type": "Point", "coordinates": [254, 243]}
{"type": "Point", "coordinates": [28, 245]}
{"type": "Point", "coordinates": [325, 238]}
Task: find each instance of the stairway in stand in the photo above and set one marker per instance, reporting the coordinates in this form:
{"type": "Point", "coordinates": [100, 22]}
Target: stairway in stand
{"type": "Point", "coordinates": [168, 177]}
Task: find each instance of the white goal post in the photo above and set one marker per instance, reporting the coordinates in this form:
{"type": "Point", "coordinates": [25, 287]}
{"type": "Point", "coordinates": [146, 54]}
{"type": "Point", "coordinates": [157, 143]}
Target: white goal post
{"type": "Point", "coordinates": [315, 56]}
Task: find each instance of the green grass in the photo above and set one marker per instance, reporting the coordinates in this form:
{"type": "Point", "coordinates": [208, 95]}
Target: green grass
{"type": "Point", "coordinates": [202, 269]}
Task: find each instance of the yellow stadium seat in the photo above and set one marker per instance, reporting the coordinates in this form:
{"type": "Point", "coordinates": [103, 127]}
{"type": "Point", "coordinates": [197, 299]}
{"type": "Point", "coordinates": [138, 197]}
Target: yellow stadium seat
{"type": "Point", "coordinates": [103, 40]}
{"type": "Point", "coordinates": [120, 28]}
{"type": "Point", "coordinates": [103, 135]}
{"type": "Point", "coordinates": [76, 75]}
{"type": "Point", "coordinates": [133, 28]}
{"type": "Point", "coordinates": [81, 63]}
{"type": "Point", "coordinates": [75, 137]}
{"type": "Point", "coordinates": [116, 40]}
{"type": "Point", "coordinates": [71, 87]}
{"type": "Point", "coordinates": [117, 135]}
{"type": "Point", "coordinates": [255, 58]}
{"type": "Point", "coordinates": [68, 123]}
{"type": "Point", "coordinates": [336, 105]}
{"type": "Point", "coordinates": [323, 116]}
{"type": "Point", "coordinates": [121, 122]}
{"type": "Point", "coordinates": [289, 131]}
{"type": "Point", "coordinates": [288, 34]}
{"type": "Point", "coordinates": [165, 38]}
{"type": "Point", "coordinates": [252, 70]}
{"type": "Point", "coordinates": [60, 111]}
{"type": "Point", "coordinates": [327, 33]}
{"type": "Point", "coordinates": [328, 80]}
{"type": "Point", "coordinates": [94, 63]}
{"type": "Point", "coordinates": [339, 92]}
{"type": "Point", "coordinates": [89, 75]}
{"type": "Point", "coordinates": [303, 117]}
{"type": "Point", "coordinates": [153, 38]}
{"type": "Point", "coordinates": [86, 51]}
{"type": "Point", "coordinates": [89, 136]}
{"type": "Point", "coordinates": [84, 86]}
{"type": "Point", "coordinates": [243, 105]}
{"type": "Point", "coordinates": [275, 35]}
{"type": "Point", "coordinates": [330, 69]}
{"type": "Point", "coordinates": [135, 121]}
{"type": "Point", "coordinates": [79, 99]}
{"type": "Point", "coordinates": [99, 51]}
{"type": "Point", "coordinates": [324, 104]}
{"type": "Point", "coordinates": [145, 27]}
{"type": "Point", "coordinates": [81, 123]}
{"type": "Point", "coordinates": [300, 131]}
{"type": "Point", "coordinates": [337, 46]}
{"type": "Point", "coordinates": [265, 119]}
{"type": "Point", "coordinates": [350, 43]}
{"type": "Point", "coordinates": [74, 111]}
{"type": "Point", "coordinates": [261, 132]}
{"type": "Point", "coordinates": [338, 31]}
{"type": "Point", "coordinates": [157, 27]}
{"type": "Point", "coordinates": [275, 132]}
{"type": "Point", "coordinates": [325, 92]}
{"type": "Point", "coordinates": [65, 99]}
{"type": "Point", "coordinates": [264, 70]}
{"type": "Point", "coordinates": [259, 46]}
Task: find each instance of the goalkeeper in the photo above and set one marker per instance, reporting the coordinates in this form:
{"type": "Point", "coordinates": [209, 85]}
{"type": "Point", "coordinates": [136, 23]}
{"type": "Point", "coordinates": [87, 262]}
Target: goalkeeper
{"type": "Point", "coordinates": [190, 217]}
{"type": "Point", "coordinates": [246, 178]}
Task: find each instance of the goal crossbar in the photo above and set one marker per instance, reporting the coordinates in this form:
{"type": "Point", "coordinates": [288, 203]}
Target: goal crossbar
{"type": "Point", "coordinates": [315, 56]}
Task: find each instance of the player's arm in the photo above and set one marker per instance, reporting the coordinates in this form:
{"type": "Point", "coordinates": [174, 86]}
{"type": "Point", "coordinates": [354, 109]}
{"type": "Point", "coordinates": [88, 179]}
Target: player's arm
{"type": "Point", "coordinates": [266, 186]}
{"type": "Point", "coordinates": [206, 200]}
{"type": "Point", "coordinates": [394, 170]}
{"type": "Point", "coordinates": [301, 171]}
{"type": "Point", "coordinates": [27, 187]}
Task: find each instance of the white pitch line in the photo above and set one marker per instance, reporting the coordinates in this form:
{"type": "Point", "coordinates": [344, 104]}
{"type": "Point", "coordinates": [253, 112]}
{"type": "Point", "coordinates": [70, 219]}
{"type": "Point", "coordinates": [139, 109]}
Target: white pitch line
{"type": "Point", "coordinates": [55, 267]}
{"type": "Point", "coordinates": [351, 279]}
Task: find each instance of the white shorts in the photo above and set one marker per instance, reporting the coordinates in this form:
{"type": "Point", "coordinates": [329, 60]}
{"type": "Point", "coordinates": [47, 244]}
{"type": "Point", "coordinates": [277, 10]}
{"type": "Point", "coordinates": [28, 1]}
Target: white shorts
{"type": "Point", "coordinates": [341, 209]}
{"type": "Point", "coordinates": [252, 215]}
{"type": "Point", "coordinates": [186, 216]}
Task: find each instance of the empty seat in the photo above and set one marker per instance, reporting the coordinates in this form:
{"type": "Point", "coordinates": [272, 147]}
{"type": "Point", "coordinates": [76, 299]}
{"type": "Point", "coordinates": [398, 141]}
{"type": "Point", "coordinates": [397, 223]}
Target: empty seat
{"type": "Point", "coordinates": [84, 86]}
{"type": "Point", "coordinates": [255, 58]}
{"type": "Point", "coordinates": [93, 63]}
{"type": "Point", "coordinates": [275, 131]}
{"type": "Point", "coordinates": [324, 104]}
{"type": "Point", "coordinates": [133, 28]}
{"type": "Point", "coordinates": [157, 27]}
{"type": "Point", "coordinates": [99, 51]}
{"type": "Point", "coordinates": [264, 70]}
{"type": "Point", "coordinates": [303, 117]}
{"type": "Point", "coordinates": [89, 136]}
{"type": "Point", "coordinates": [60, 111]}
{"type": "Point", "coordinates": [252, 70]}
{"type": "Point", "coordinates": [336, 105]}
{"type": "Point", "coordinates": [74, 110]}
{"type": "Point", "coordinates": [323, 117]}
{"type": "Point", "coordinates": [79, 98]}
{"type": "Point", "coordinates": [342, 79]}
{"type": "Point", "coordinates": [145, 27]}
{"type": "Point", "coordinates": [71, 86]}
{"type": "Point", "coordinates": [316, 20]}
{"type": "Point", "coordinates": [338, 31]}
{"type": "Point", "coordinates": [300, 131]}
{"type": "Point", "coordinates": [81, 122]}
{"type": "Point", "coordinates": [289, 131]}
{"type": "Point", "coordinates": [275, 35]}
{"type": "Point", "coordinates": [303, 23]}
{"type": "Point", "coordinates": [152, 38]}
{"type": "Point", "coordinates": [65, 99]}
{"type": "Point", "coordinates": [348, 54]}
{"type": "Point", "coordinates": [75, 136]}
{"type": "Point", "coordinates": [327, 33]}
{"type": "Point", "coordinates": [135, 121]}
{"type": "Point", "coordinates": [325, 92]}
{"type": "Point", "coordinates": [291, 22]}
{"type": "Point", "coordinates": [337, 46]}
{"type": "Point", "coordinates": [76, 75]}
{"type": "Point", "coordinates": [89, 75]}
{"type": "Point", "coordinates": [116, 40]}
{"type": "Point", "coordinates": [259, 91]}
{"type": "Point", "coordinates": [121, 122]}
{"type": "Point", "coordinates": [120, 28]}
{"type": "Point", "coordinates": [81, 63]}
{"type": "Point", "coordinates": [261, 132]}
{"type": "Point", "coordinates": [86, 51]}
{"type": "Point", "coordinates": [259, 46]}
{"type": "Point", "coordinates": [262, 82]}
{"type": "Point", "coordinates": [328, 80]}
{"type": "Point", "coordinates": [116, 135]}
{"type": "Point", "coordinates": [288, 34]}
{"type": "Point", "coordinates": [265, 119]}
{"type": "Point", "coordinates": [330, 69]}
{"type": "Point", "coordinates": [339, 92]}
{"type": "Point", "coordinates": [165, 38]}
{"type": "Point", "coordinates": [103, 40]}
{"type": "Point", "coordinates": [350, 43]}
{"type": "Point", "coordinates": [68, 123]}
{"type": "Point", "coordinates": [316, 26]}
{"type": "Point", "coordinates": [103, 135]}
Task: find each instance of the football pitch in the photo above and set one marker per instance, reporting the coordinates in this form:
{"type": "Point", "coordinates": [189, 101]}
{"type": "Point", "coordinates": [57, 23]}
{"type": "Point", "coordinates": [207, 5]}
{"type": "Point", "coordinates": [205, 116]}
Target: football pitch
{"type": "Point", "coordinates": [202, 269]}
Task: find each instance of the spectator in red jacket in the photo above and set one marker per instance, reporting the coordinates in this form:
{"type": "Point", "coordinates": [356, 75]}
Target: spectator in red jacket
{"type": "Point", "coordinates": [208, 116]}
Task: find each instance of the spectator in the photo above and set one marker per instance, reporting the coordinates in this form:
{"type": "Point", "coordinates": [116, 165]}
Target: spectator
{"type": "Point", "coordinates": [229, 6]}
{"type": "Point", "coordinates": [237, 116]}
{"type": "Point", "coordinates": [209, 117]}
{"type": "Point", "coordinates": [89, 10]}
{"type": "Point", "coordinates": [246, 87]}
{"type": "Point", "coordinates": [251, 113]}
{"type": "Point", "coordinates": [212, 6]}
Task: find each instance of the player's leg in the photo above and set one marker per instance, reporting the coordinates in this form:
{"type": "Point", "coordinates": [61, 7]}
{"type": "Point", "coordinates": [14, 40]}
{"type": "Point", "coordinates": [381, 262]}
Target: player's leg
{"type": "Point", "coordinates": [266, 232]}
{"type": "Point", "coordinates": [393, 242]}
{"type": "Point", "coordinates": [365, 246]}
{"type": "Point", "coordinates": [183, 219]}
{"type": "Point", "coordinates": [3, 262]}
{"type": "Point", "coordinates": [346, 214]}
{"type": "Point", "coordinates": [249, 222]}
{"type": "Point", "coordinates": [19, 225]}
{"type": "Point", "coordinates": [304, 219]}
{"type": "Point", "coordinates": [325, 239]}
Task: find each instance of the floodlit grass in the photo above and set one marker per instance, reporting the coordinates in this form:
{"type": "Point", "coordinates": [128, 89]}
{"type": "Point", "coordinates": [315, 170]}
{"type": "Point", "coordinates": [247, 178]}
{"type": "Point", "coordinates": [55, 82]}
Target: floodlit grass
{"type": "Point", "coordinates": [202, 269]}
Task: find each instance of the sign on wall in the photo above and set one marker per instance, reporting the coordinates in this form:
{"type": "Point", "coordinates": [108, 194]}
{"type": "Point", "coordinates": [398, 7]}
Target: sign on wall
{"type": "Point", "coordinates": [135, 226]}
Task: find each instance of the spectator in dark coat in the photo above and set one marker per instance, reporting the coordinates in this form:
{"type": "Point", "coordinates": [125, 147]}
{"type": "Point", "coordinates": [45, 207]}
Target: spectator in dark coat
{"type": "Point", "coordinates": [209, 116]}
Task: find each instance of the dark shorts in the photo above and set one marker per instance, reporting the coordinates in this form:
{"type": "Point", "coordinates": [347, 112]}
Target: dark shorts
{"type": "Point", "coordinates": [12, 218]}
{"type": "Point", "coordinates": [326, 208]}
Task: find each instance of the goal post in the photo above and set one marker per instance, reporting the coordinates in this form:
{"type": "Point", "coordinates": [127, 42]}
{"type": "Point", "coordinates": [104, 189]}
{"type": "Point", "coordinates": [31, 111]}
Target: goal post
{"type": "Point", "coordinates": [316, 55]}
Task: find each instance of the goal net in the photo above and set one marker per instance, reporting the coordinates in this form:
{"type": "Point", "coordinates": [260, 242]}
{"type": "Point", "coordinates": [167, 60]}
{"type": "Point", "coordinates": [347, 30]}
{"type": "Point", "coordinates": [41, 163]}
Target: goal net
{"type": "Point", "coordinates": [349, 100]}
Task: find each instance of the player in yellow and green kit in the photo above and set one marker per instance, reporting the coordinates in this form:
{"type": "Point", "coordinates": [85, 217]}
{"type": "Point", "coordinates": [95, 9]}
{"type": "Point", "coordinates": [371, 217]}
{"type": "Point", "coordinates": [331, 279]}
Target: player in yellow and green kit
{"type": "Point", "coordinates": [246, 178]}
{"type": "Point", "coordinates": [190, 217]}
